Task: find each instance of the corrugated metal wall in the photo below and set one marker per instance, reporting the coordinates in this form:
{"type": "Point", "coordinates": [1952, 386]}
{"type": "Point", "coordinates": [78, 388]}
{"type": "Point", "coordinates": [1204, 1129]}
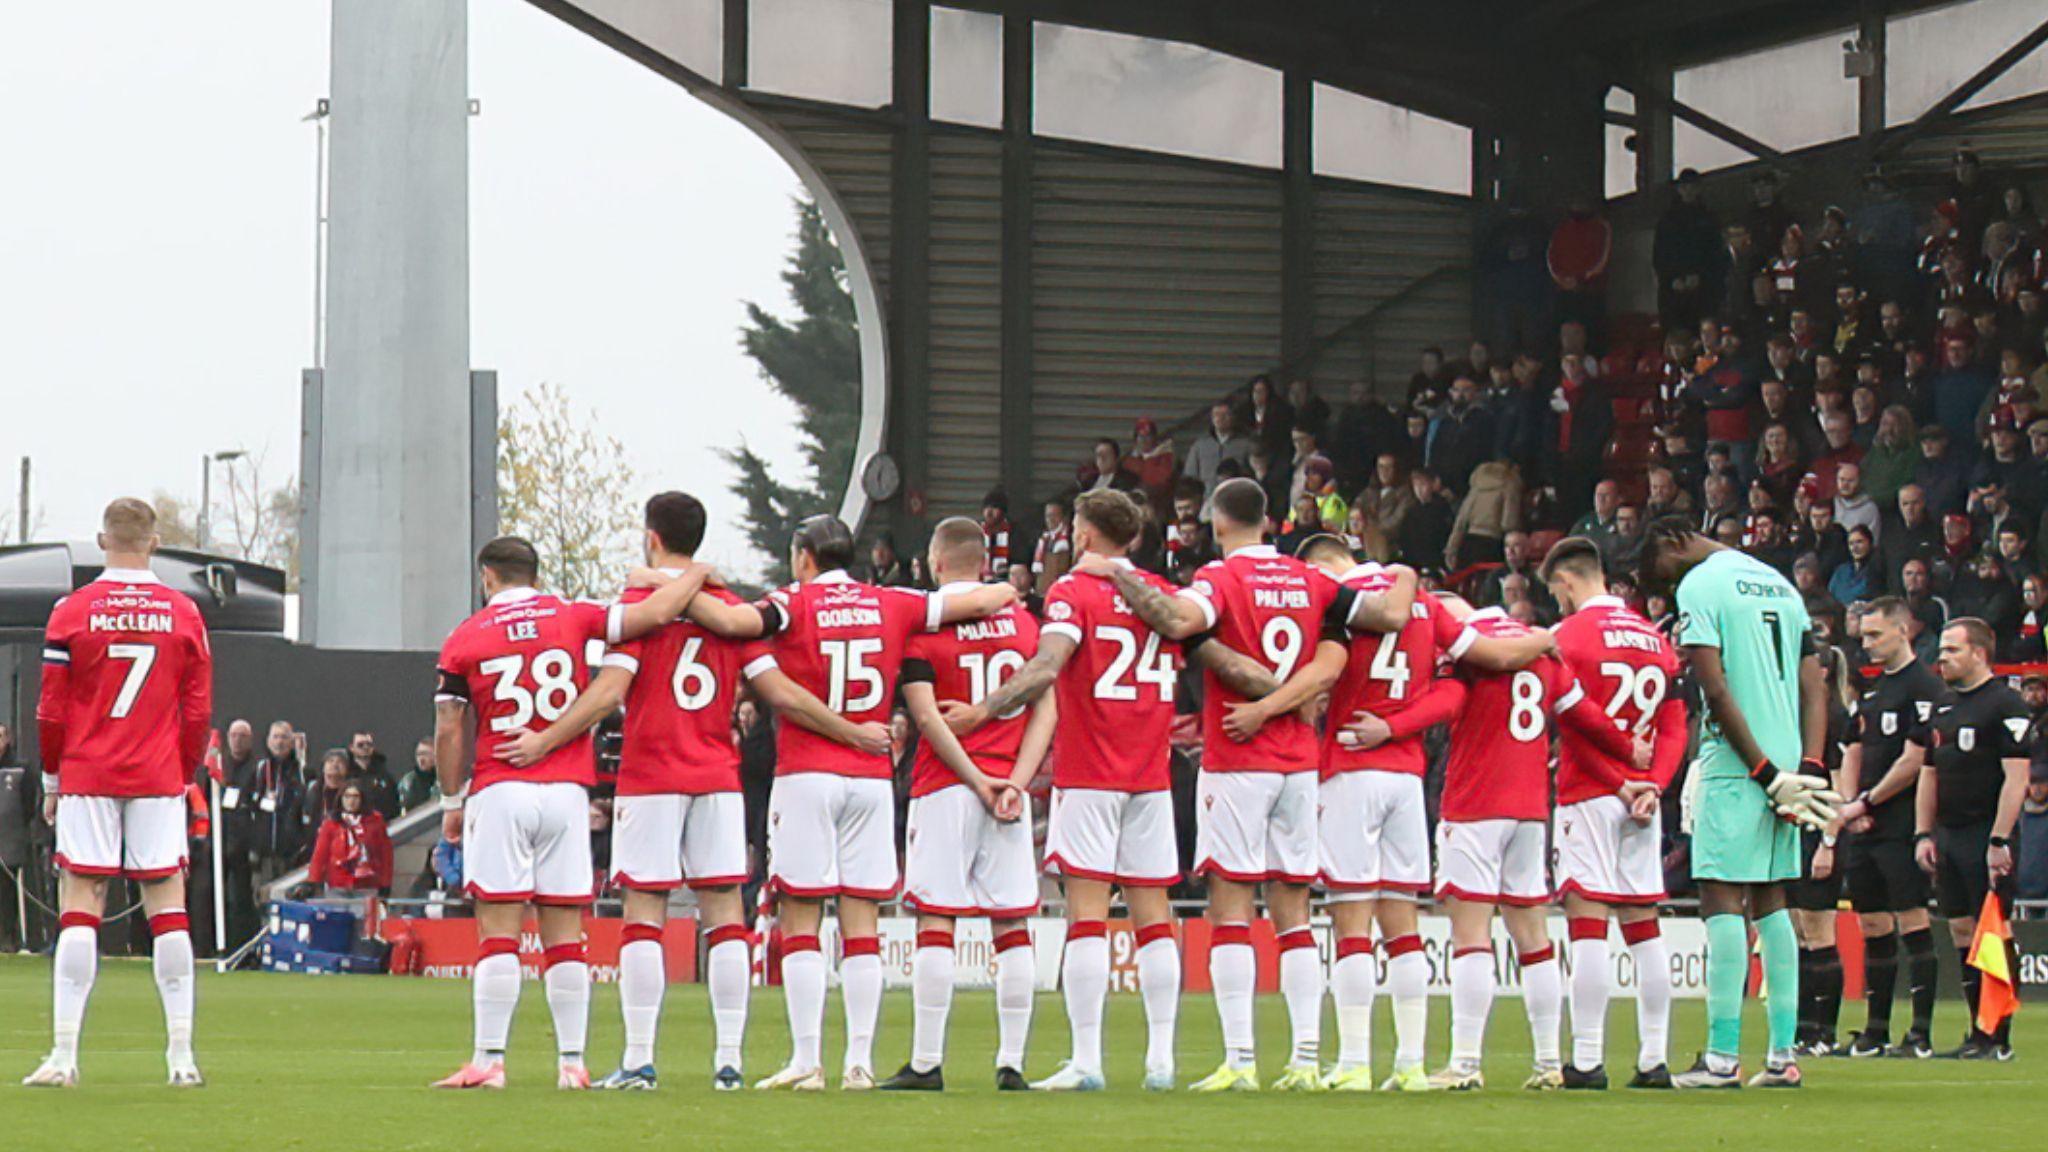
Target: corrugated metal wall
{"type": "Point", "coordinates": [853, 153]}
{"type": "Point", "coordinates": [1372, 243]}
{"type": "Point", "coordinates": [966, 321]}
{"type": "Point", "coordinates": [1157, 287]}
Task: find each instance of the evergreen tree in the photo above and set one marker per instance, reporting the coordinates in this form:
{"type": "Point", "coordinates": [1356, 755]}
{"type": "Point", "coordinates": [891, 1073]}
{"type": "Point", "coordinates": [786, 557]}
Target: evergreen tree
{"type": "Point", "coordinates": [814, 361]}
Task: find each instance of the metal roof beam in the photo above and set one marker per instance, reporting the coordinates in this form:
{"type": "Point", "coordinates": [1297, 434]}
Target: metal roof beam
{"type": "Point", "coordinates": [1984, 77]}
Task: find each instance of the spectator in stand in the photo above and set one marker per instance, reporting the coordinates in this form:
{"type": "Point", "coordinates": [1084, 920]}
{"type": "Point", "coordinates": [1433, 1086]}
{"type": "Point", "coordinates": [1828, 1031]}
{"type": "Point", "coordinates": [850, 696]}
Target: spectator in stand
{"type": "Point", "coordinates": [420, 786]}
{"type": "Point", "coordinates": [1307, 450]}
{"type": "Point", "coordinates": [1930, 612]}
{"type": "Point", "coordinates": [1720, 385]}
{"type": "Point", "coordinates": [1152, 461]}
{"type": "Point", "coordinates": [1309, 409]}
{"type": "Point", "coordinates": [1959, 390]}
{"type": "Point", "coordinates": [259, 823]}
{"type": "Point", "coordinates": [1625, 549]}
{"type": "Point", "coordinates": [1719, 501]}
{"type": "Point", "coordinates": [1983, 589]}
{"type": "Point", "coordinates": [1516, 560]}
{"type": "Point", "coordinates": [366, 766]}
{"type": "Point", "coordinates": [1390, 495]}
{"type": "Point", "coordinates": [1306, 521]}
{"type": "Point", "coordinates": [1223, 442]}
{"type": "Point", "coordinates": [1742, 265]}
{"type": "Point", "coordinates": [1519, 412]}
{"type": "Point", "coordinates": [1367, 539]}
{"type": "Point", "coordinates": [2014, 549]}
{"type": "Point", "coordinates": [1943, 473]}
{"type": "Point", "coordinates": [885, 567]}
{"type": "Point", "coordinates": [1777, 407]}
{"type": "Point", "coordinates": [995, 529]}
{"type": "Point", "coordinates": [1189, 545]}
{"type": "Point", "coordinates": [2030, 642]}
{"type": "Point", "coordinates": [1432, 380]}
{"type": "Point", "coordinates": [1820, 535]}
{"type": "Point", "coordinates": [1275, 473]}
{"type": "Point", "coordinates": [1685, 255]}
{"type": "Point", "coordinates": [1893, 457]}
{"type": "Point", "coordinates": [2030, 873]}
{"type": "Point", "coordinates": [1840, 448]}
{"type": "Point", "coordinates": [1666, 497]}
{"type": "Point", "coordinates": [1853, 505]}
{"type": "Point", "coordinates": [1268, 415]}
{"type": "Point", "coordinates": [1461, 435]}
{"type": "Point", "coordinates": [1320, 485]}
{"type": "Point", "coordinates": [1579, 425]}
{"type": "Point", "coordinates": [1426, 529]}
{"type": "Point", "coordinates": [1055, 551]}
{"type": "Point", "coordinates": [1478, 362]}
{"type": "Point", "coordinates": [1989, 513]}
{"type": "Point", "coordinates": [1356, 434]}
{"type": "Point", "coordinates": [1577, 256]}
{"type": "Point", "coordinates": [1106, 470]}
{"type": "Point", "coordinates": [352, 855]}
{"type": "Point", "coordinates": [1778, 465]}
{"type": "Point", "coordinates": [1864, 409]}
{"type": "Point", "coordinates": [1767, 541]}
{"type": "Point", "coordinates": [1492, 508]}
{"type": "Point", "coordinates": [324, 797]}
{"type": "Point", "coordinates": [1597, 524]}
{"type": "Point", "coordinates": [1958, 547]}
{"type": "Point", "coordinates": [1813, 588]}
{"type": "Point", "coordinates": [1913, 534]}
{"type": "Point", "coordinates": [1860, 577]}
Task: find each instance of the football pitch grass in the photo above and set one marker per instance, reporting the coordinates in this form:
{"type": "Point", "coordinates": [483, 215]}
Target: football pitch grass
{"type": "Point", "coordinates": [299, 1062]}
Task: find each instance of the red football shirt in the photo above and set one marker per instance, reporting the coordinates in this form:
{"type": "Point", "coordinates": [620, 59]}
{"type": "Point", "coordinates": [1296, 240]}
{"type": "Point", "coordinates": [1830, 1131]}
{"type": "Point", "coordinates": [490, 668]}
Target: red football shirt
{"type": "Point", "coordinates": [1499, 767]}
{"type": "Point", "coordinates": [844, 641]}
{"type": "Point", "coordinates": [686, 682]}
{"type": "Point", "coordinates": [127, 696]}
{"type": "Point", "coordinates": [966, 662]}
{"type": "Point", "coordinates": [1115, 694]}
{"type": "Point", "coordinates": [1627, 666]}
{"type": "Point", "coordinates": [519, 663]}
{"type": "Point", "coordinates": [1273, 609]}
{"type": "Point", "coordinates": [1387, 674]}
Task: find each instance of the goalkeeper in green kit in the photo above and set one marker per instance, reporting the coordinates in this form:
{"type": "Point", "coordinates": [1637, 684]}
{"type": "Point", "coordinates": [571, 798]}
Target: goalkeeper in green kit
{"type": "Point", "coordinates": [1758, 776]}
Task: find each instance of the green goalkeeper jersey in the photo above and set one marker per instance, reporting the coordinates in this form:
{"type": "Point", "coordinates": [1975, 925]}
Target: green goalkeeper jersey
{"type": "Point", "coordinates": [1756, 618]}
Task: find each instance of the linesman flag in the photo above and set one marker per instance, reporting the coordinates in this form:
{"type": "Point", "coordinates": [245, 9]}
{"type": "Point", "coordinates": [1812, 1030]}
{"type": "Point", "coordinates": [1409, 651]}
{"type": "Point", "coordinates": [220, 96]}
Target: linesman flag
{"type": "Point", "coordinates": [1991, 954]}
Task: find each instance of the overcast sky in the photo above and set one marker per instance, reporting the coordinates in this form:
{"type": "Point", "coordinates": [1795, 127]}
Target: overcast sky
{"type": "Point", "coordinates": [156, 246]}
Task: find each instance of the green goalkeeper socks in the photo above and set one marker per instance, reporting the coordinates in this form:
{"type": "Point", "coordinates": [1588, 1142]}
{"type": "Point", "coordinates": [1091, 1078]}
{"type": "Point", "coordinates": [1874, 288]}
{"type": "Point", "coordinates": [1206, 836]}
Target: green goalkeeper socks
{"type": "Point", "coordinates": [1780, 946]}
{"type": "Point", "coordinates": [1727, 973]}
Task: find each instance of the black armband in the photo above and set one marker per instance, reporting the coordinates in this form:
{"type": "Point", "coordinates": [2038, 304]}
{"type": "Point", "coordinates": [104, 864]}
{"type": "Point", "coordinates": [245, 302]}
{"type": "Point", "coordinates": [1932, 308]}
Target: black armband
{"type": "Point", "coordinates": [774, 618]}
{"type": "Point", "coordinates": [1190, 645]}
{"type": "Point", "coordinates": [452, 686]}
{"type": "Point", "coordinates": [1998, 841]}
{"type": "Point", "coordinates": [916, 671]}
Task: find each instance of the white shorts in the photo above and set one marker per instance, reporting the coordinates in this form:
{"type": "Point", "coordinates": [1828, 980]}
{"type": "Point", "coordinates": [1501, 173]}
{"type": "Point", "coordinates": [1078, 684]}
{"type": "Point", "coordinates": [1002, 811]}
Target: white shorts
{"type": "Point", "coordinates": [1373, 836]}
{"type": "Point", "coordinates": [962, 861]}
{"type": "Point", "coordinates": [1116, 837]}
{"type": "Point", "coordinates": [1604, 856]}
{"type": "Point", "coordinates": [141, 837]}
{"type": "Point", "coordinates": [1252, 827]}
{"type": "Point", "coordinates": [831, 835]}
{"type": "Point", "coordinates": [661, 841]}
{"type": "Point", "coordinates": [1492, 862]}
{"type": "Point", "coordinates": [527, 841]}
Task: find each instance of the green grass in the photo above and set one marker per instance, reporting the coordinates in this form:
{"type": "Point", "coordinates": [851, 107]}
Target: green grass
{"type": "Point", "coordinates": [342, 1062]}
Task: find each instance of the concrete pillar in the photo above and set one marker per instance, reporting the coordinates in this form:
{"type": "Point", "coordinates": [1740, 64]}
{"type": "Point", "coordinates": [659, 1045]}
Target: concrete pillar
{"type": "Point", "coordinates": [391, 559]}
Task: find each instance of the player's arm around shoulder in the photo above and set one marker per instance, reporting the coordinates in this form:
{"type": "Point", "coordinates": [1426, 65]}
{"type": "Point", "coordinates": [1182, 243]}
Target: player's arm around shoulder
{"type": "Point", "coordinates": [1057, 643]}
{"type": "Point", "coordinates": [943, 608]}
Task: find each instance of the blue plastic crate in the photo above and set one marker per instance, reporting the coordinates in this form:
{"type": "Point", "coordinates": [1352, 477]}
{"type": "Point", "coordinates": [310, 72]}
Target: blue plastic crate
{"type": "Point", "coordinates": [284, 956]}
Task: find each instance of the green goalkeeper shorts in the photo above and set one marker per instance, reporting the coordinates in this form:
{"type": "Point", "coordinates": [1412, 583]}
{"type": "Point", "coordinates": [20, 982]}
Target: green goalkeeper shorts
{"type": "Point", "coordinates": [1737, 838]}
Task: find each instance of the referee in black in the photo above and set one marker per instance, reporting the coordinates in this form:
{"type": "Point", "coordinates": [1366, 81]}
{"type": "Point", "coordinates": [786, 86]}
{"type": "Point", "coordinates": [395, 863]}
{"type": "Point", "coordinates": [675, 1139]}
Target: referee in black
{"type": "Point", "coordinates": [1881, 772]}
{"type": "Point", "coordinates": [1969, 802]}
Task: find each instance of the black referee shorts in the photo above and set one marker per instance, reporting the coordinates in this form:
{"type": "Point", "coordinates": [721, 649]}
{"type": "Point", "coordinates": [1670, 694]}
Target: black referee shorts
{"type": "Point", "coordinates": [1962, 877]}
{"type": "Point", "coordinates": [1808, 894]}
{"type": "Point", "coordinates": [1882, 876]}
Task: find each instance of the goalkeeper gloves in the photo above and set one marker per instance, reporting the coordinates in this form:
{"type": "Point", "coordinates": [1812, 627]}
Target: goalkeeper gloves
{"type": "Point", "coordinates": [1797, 799]}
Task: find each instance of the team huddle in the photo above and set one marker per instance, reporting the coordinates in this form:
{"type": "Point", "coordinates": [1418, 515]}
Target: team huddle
{"type": "Point", "coordinates": [1322, 678]}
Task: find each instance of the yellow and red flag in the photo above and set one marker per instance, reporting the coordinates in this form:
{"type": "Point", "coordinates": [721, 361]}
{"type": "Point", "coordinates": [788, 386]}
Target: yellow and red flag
{"type": "Point", "coordinates": [1991, 954]}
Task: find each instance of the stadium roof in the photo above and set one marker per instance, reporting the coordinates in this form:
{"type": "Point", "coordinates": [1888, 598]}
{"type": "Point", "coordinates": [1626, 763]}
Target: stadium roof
{"type": "Point", "coordinates": [1421, 53]}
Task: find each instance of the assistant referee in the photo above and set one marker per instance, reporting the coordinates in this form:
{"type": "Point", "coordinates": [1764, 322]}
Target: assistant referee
{"type": "Point", "coordinates": [1969, 802]}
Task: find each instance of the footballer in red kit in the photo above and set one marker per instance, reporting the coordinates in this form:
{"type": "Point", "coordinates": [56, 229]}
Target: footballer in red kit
{"type": "Point", "coordinates": [678, 817]}
{"type": "Point", "coordinates": [1607, 835]}
{"type": "Point", "coordinates": [1491, 845]}
{"type": "Point", "coordinates": [832, 814]}
{"type": "Point", "coordinates": [517, 666]}
{"type": "Point", "coordinates": [968, 849]}
{"type": "Point", "coordinates": [1256, 798]}
{"type": "Point", "coordinates": [1373, 832]}
{"type": "Point", "coordinates": [1111, 826]}
{"type": "Point", "coordinates": [123, 719]}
